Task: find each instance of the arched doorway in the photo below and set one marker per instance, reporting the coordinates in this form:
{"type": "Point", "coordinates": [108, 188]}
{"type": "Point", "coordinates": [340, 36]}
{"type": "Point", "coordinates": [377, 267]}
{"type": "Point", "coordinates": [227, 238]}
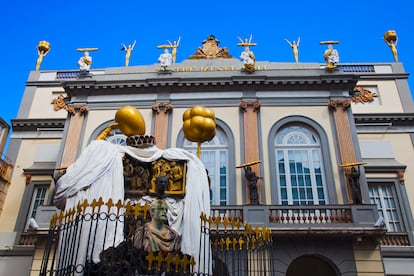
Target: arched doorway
{"type": "Point", "coordinates": [311, 265]}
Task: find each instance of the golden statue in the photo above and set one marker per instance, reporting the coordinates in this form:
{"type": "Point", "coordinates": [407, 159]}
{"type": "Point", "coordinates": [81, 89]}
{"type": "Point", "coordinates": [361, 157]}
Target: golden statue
{"type": "Point", "coordinates": [294, 45]}
{"type": "Point", "coordinates": [174, 47]}
{"type": "Point", "coordinates": [42, 49]}
{"type": "Point", "coordinates": [390, 37]}
{"type": "Point", "coordinates": [128, 50]}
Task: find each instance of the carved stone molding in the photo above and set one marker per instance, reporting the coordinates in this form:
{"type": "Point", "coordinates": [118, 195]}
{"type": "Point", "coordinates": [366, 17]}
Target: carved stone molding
{"type": "Point", "coordinates": [28, 178]}
{"type": "Point", "coordinates": [59, 103]}
{"type": "Point", "coordinates": [400, 174]}
{"type": "Point", "coordinates": [165, 107]}
{"type": "Point", "coordinates": [255, 105]}
{"type": "Point", "coordinates": [334, 104]}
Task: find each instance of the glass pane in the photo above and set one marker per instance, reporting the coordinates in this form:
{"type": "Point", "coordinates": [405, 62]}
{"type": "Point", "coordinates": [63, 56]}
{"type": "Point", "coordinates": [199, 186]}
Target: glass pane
{"type": "Point", "coordinates": [293, 181]}
{"type": "Point", "coordinates": [283, 193]}
{"type": "Point", "coordinates": [282, 180]}
{"type": "Point", "coordinates": [295, 194]}
{"type": "Point", "coordinates": [302, 193]}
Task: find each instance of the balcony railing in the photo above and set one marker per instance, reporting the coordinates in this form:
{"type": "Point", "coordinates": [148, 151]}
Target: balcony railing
{"type": "Point", "coordinates": [349, 219]}
{"type": "Point", "coordinates": [395, 239]}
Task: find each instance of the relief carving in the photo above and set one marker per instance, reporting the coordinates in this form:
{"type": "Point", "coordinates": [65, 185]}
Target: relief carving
{"type": "Point", "coordinates": [361, 95]}
{"type": "Point", "coordinates": [140, 177]}
{"type": "Point", "coordinates": [211, 50]}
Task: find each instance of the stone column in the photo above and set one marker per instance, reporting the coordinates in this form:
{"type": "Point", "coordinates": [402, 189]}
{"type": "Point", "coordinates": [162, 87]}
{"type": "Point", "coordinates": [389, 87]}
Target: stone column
{"type": "Point", "coordinates": [251, 138]}
{"type": "Point", "coordinates": [344, 137]}
{"type": "Point", "coordinates": [161, 111]}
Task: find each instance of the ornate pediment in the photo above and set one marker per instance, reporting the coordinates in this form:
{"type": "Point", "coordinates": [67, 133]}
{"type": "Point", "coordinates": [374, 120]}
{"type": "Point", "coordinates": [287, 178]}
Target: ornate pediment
{"type": "Point", "coordinates": [211, 50]}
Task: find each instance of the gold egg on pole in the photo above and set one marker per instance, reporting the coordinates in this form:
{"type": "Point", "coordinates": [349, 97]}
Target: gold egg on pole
{"type": "Point", "coordinates": [130, 121]}
{"type": "Point", "coordinates": [199, 125]}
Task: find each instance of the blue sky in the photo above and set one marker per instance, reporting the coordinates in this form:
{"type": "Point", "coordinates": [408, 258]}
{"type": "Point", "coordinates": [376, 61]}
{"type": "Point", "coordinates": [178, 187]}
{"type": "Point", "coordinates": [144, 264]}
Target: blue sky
{"type": "Point", "coordinates": [358, 26]}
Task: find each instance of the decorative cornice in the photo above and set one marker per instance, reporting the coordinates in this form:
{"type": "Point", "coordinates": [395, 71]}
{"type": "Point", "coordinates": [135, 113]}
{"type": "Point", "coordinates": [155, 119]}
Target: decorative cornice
{"type": "Point", "coordinates": [345, 104]}
{"type": "Point", "coordinates": [166, 107]}
{"type": "Point", "coordinates": [396, 119]}
{"type": "Point", "coordinates": [210, 83]}
{"type": "Point", "coordinates": [255, 105]}
{"type": "Point", "coordinates": [59, 103]}
{"type": "Point", "coordinates": [36, 124]}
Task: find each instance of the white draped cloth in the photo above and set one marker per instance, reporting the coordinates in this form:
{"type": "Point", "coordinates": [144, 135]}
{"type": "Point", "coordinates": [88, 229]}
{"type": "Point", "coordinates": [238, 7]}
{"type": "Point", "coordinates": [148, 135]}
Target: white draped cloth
{"type": "Point", "coordinates": [98, 172]}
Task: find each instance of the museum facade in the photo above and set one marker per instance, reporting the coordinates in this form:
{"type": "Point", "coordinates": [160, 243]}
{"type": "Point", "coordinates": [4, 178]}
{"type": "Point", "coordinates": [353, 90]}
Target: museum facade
{"type": "Point", "coordinates": [330, 152]}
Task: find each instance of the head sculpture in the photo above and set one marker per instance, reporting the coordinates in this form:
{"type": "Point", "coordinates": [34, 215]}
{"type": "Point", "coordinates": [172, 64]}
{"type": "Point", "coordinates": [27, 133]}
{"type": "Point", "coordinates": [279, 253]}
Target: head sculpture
{"type": "Point", "coordinates": [161, 185]}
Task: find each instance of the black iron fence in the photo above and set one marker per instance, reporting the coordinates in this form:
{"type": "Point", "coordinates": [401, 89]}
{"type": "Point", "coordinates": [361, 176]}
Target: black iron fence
{"type": "Point", "coordinates": [98, 238]}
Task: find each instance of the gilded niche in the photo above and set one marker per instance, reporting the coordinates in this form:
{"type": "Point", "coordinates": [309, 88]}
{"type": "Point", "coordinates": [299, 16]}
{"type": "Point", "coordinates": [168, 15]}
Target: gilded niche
{"type": "Point", "coordinates": [211, 50]}
{"type": "Point", "coordinates": [139, 177]}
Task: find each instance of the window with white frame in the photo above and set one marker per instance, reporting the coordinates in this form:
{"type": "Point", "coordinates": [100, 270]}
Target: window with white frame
{"type": "Point", "coordinates": [299, 166]}
{"type": "Point", "coordinates": [214, 155]}
{"type": "Point", "coordinates": [38, 198]}
{"type": "Point", "coordinates": [384, 196]}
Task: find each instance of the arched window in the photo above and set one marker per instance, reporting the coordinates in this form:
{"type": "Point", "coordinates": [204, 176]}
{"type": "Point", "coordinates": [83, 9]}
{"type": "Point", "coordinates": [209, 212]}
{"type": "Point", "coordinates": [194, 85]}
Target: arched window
{"type": "Point", "coordinates": [299, 166]}
{"type": "Point", "coordinates": [215, 157]}
{"type": "Point", "coordinates": [117, 137]}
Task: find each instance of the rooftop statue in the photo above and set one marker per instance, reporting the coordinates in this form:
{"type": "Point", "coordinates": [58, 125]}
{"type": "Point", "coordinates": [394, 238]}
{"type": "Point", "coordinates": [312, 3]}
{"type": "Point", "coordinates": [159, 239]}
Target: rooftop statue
{"type": "Point", "coordinates": [128, 50]}
{"type": "Point", "coordinates": [390, 37]}
{"type": "Point", "coordinates": [247, 56]}
{"type": "Point", "coordinates": [165, 59]}
{"type": "Point", "coordinates": [294, 45]}
{"type": "Point", "coordinates": [211, 50]}
{"type": "Point", "coordinates": [331, 55]}
{"type": "Point", "coordinates": [85, 61]}
{"type": "Point", "coordinates": [43, 49]}
{"type": "Point", "coordinates": [174, 47]}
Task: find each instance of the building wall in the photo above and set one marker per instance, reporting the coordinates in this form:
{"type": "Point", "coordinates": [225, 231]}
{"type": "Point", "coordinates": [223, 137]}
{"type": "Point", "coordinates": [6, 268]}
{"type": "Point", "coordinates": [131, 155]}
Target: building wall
{"type": "Point", "coordinates": [356, 258]}
{"type": "Point", "coordinates": [25, 159]}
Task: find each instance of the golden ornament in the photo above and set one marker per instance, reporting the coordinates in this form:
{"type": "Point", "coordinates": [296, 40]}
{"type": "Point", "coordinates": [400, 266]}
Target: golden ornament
{"type": "Point", "coordinates": [199, 124]}
{"type": "Point", "coordinates": [43, 46]}
{"type": "Point", "coordinates": [130, 121]}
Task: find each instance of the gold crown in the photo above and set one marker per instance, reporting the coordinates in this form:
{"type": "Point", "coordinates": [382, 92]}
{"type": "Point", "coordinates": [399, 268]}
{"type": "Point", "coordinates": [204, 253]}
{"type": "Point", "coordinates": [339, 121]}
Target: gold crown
{"type": "Point", "coordinates": [140, 141]}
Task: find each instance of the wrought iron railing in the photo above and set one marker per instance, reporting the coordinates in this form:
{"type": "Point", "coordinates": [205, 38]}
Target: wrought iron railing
{"type": "Point", "coordinates": [98, 238]}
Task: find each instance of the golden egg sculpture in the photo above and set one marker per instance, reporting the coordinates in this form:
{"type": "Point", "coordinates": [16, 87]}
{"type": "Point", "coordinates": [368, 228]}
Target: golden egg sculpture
{"type": "Point", "coordinates": [130, 121]}
{"type": "Point", "coordinates": [199, 124]}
